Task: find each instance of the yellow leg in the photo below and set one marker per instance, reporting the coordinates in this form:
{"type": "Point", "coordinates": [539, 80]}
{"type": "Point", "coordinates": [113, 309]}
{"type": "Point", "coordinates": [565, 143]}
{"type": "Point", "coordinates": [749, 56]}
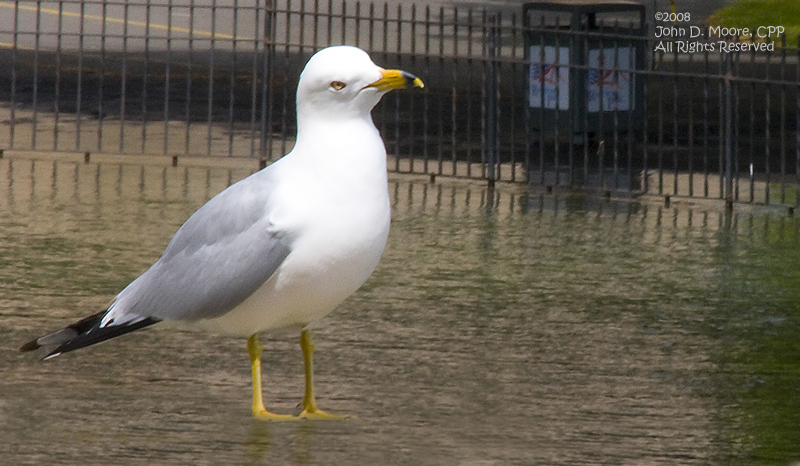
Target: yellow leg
{"type": "Point", "coordinates": [255, 348]}
{"type": "Point", "coordinates": [310, 409]}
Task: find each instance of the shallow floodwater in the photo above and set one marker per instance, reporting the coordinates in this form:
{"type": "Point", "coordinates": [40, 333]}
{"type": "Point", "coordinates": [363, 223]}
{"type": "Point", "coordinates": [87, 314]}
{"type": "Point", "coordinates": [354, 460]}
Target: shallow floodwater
{"type": "Point", "coordinates": [500, 328]}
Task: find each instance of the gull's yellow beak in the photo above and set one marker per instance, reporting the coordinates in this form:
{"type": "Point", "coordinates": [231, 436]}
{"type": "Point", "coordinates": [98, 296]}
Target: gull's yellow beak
{"type": "Point", "coordinates": [396, 79]}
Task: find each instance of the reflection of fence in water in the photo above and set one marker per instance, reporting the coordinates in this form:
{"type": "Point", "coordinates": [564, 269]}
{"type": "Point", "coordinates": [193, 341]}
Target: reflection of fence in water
{"type": "Point", "coordinates": [67, 180]}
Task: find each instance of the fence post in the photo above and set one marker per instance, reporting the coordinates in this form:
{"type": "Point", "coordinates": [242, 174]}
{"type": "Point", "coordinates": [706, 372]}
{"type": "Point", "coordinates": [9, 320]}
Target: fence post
{"type": "Point", "coordinates": [490, 156]}
{"type": "Point", "coordinates": [728, 133]}
{"type": "Point", "coordinates": [266, 84]}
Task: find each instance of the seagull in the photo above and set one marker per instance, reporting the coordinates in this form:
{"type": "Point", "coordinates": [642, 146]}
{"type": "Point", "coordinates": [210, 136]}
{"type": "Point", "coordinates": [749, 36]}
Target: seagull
{"type": "Point", "coordinates": [283, 247]}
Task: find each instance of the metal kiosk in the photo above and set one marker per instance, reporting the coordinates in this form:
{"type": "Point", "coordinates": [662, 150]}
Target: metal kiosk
{"type": "Point", "coordinates": [581, 54]}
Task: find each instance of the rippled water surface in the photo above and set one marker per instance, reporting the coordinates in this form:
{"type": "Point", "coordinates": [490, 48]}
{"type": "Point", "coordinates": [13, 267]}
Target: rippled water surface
{"type": "Point", "coordinates": [500, 328]}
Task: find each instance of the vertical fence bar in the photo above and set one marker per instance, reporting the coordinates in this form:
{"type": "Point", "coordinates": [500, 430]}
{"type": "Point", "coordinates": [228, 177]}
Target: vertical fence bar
{"type": "Point", "coordinates": [211, 75]}
{"type": "Point", "coordinates": [767, 131]}
{"type": "Point", "coordinates": [571, 131]}
{"type": "Point", "coordinates": [101, 84]}
{"type": "Point", "coordinates": [14, 64]}
{"type": "Point", "coordinates": [470, 63]}
{"type": "Point", "coordinates": [254, 61]}
{"type": "Point", "coordinates": [542, 69]}
{"type": "Point", "coordinates": [706, 130]}
{"type": "Point", "coordinates": [145, 74]}
{"type": "Point", "coordinates": [284, 109]}
{"type": "Point", "coordinates": [167, 76]}
{"type": "Point", "coordinates": [329, 39]}
{"type": "Point", "coordinates": [690, 133]}
{"type": "Point", "coordinates": [557, 110]}
{"type": "Point", "coordinates": [782, 125]}
{"type": "Point", "coordinates": [357, 26]}
{"type": "Point", "coordinates": [426, 108]}
{"type": "Point", "coordinates": [187, 140]}
{"type": "Point", "coordinates": [343, 39]}
{"type": "Point", "coordinates": [315, 42]}
{"type": "Point", "coordinates": [485, 68]}
{"type": "Point", "coordinates": [37, 48]}
{"type": "Point", "coordinates": [232, 83]}
{"type": "Point", "coordinates": [440, 100]}
{"type": "Point", "coordinates": [267, 91]}
{"type": "Point", "coordinates": [660, 137]}
{"type": "Point", "coordinates": [752, 125]}
{"type": "Point", "coordinates": [57, 97]}
{"type": "Point", "coordinates": [491, 101]}
{"type": "Point", "coordinates": [560, 71]}
{"type": "Point", "coordinates": [499, 109]}
{"type": "Point", "coordinates": [79, 84]}
{"type": "Point", "coordinates": [728, 132]}
{"type": "Point", "coordinates": [370, 28]}
{"type": "Point", "coordinates": [396, 135]}
{"type": "Point", "coordinates": [583, 78]}
{"type": "Point", "coordinates": [721, 122]}
{"type": "Point", "coordinates": [601, 109]}
{"type": "Point", "coordinates": [675, 130]}
{"type": "Point", "coordinates": [384, 54]}
{"type": "Point", "coordinates": [615, 114]}
{"type": "Point", "coordinates": [302, 20]}
{"type": "Point", "coordinates": [645, 128]}
{"type": "Point", "coordinates": [410, 102]}
{"type": "Point", "coordinates": [735, 137]}
{"type": "Point", "coordinates": [454, 94]}
{"type": "Point", "coordinates": [514, 98]}
{"type": "Point", "coordinates": [526, 114]}
{"type": "Point", "coordinates": [123, 76]}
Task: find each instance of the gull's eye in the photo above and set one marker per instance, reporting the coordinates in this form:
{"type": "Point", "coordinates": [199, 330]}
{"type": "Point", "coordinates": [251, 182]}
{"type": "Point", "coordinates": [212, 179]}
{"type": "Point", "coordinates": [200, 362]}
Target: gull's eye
{"type": "Point", "coordinates": [337, 85]}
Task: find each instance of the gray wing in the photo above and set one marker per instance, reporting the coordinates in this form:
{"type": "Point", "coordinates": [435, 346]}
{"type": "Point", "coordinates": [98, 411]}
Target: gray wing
{"type": "Point", "coordinates": [218, 258]}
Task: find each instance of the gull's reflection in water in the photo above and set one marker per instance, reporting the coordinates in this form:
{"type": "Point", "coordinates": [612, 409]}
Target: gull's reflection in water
{"type": "Point", "coordinates": [262, 438]}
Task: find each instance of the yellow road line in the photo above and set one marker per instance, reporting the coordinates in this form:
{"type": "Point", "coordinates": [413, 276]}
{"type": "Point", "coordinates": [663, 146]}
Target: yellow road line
{"type": "Point", "coordinates": [162, 27]}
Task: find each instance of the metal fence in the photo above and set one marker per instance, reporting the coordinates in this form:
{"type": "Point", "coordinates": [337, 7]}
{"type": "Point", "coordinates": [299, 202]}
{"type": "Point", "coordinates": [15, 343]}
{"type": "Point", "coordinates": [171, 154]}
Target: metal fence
{"type": "Point", "coordinates": [217, 77]}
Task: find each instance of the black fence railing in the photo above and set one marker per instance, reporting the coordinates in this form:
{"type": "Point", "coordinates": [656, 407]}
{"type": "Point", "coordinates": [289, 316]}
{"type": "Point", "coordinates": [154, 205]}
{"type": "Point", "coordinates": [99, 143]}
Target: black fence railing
{"type": "Point", "coordinates": [510, 95]}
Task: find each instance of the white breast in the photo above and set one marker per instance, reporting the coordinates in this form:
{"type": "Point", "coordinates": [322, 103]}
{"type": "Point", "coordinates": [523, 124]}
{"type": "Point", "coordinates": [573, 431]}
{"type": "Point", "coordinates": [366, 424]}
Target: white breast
{"type": "Point", "coordinates": [337, 211]}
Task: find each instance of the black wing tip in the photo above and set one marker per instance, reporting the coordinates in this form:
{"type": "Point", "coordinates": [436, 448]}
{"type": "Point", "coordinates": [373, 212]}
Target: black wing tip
{"type": "Point", "coordinates": [85, 332]}
{"type": "Point", "coordinates": [98, 334]}
{"type": "Point", "coordinates": [32, 345]}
